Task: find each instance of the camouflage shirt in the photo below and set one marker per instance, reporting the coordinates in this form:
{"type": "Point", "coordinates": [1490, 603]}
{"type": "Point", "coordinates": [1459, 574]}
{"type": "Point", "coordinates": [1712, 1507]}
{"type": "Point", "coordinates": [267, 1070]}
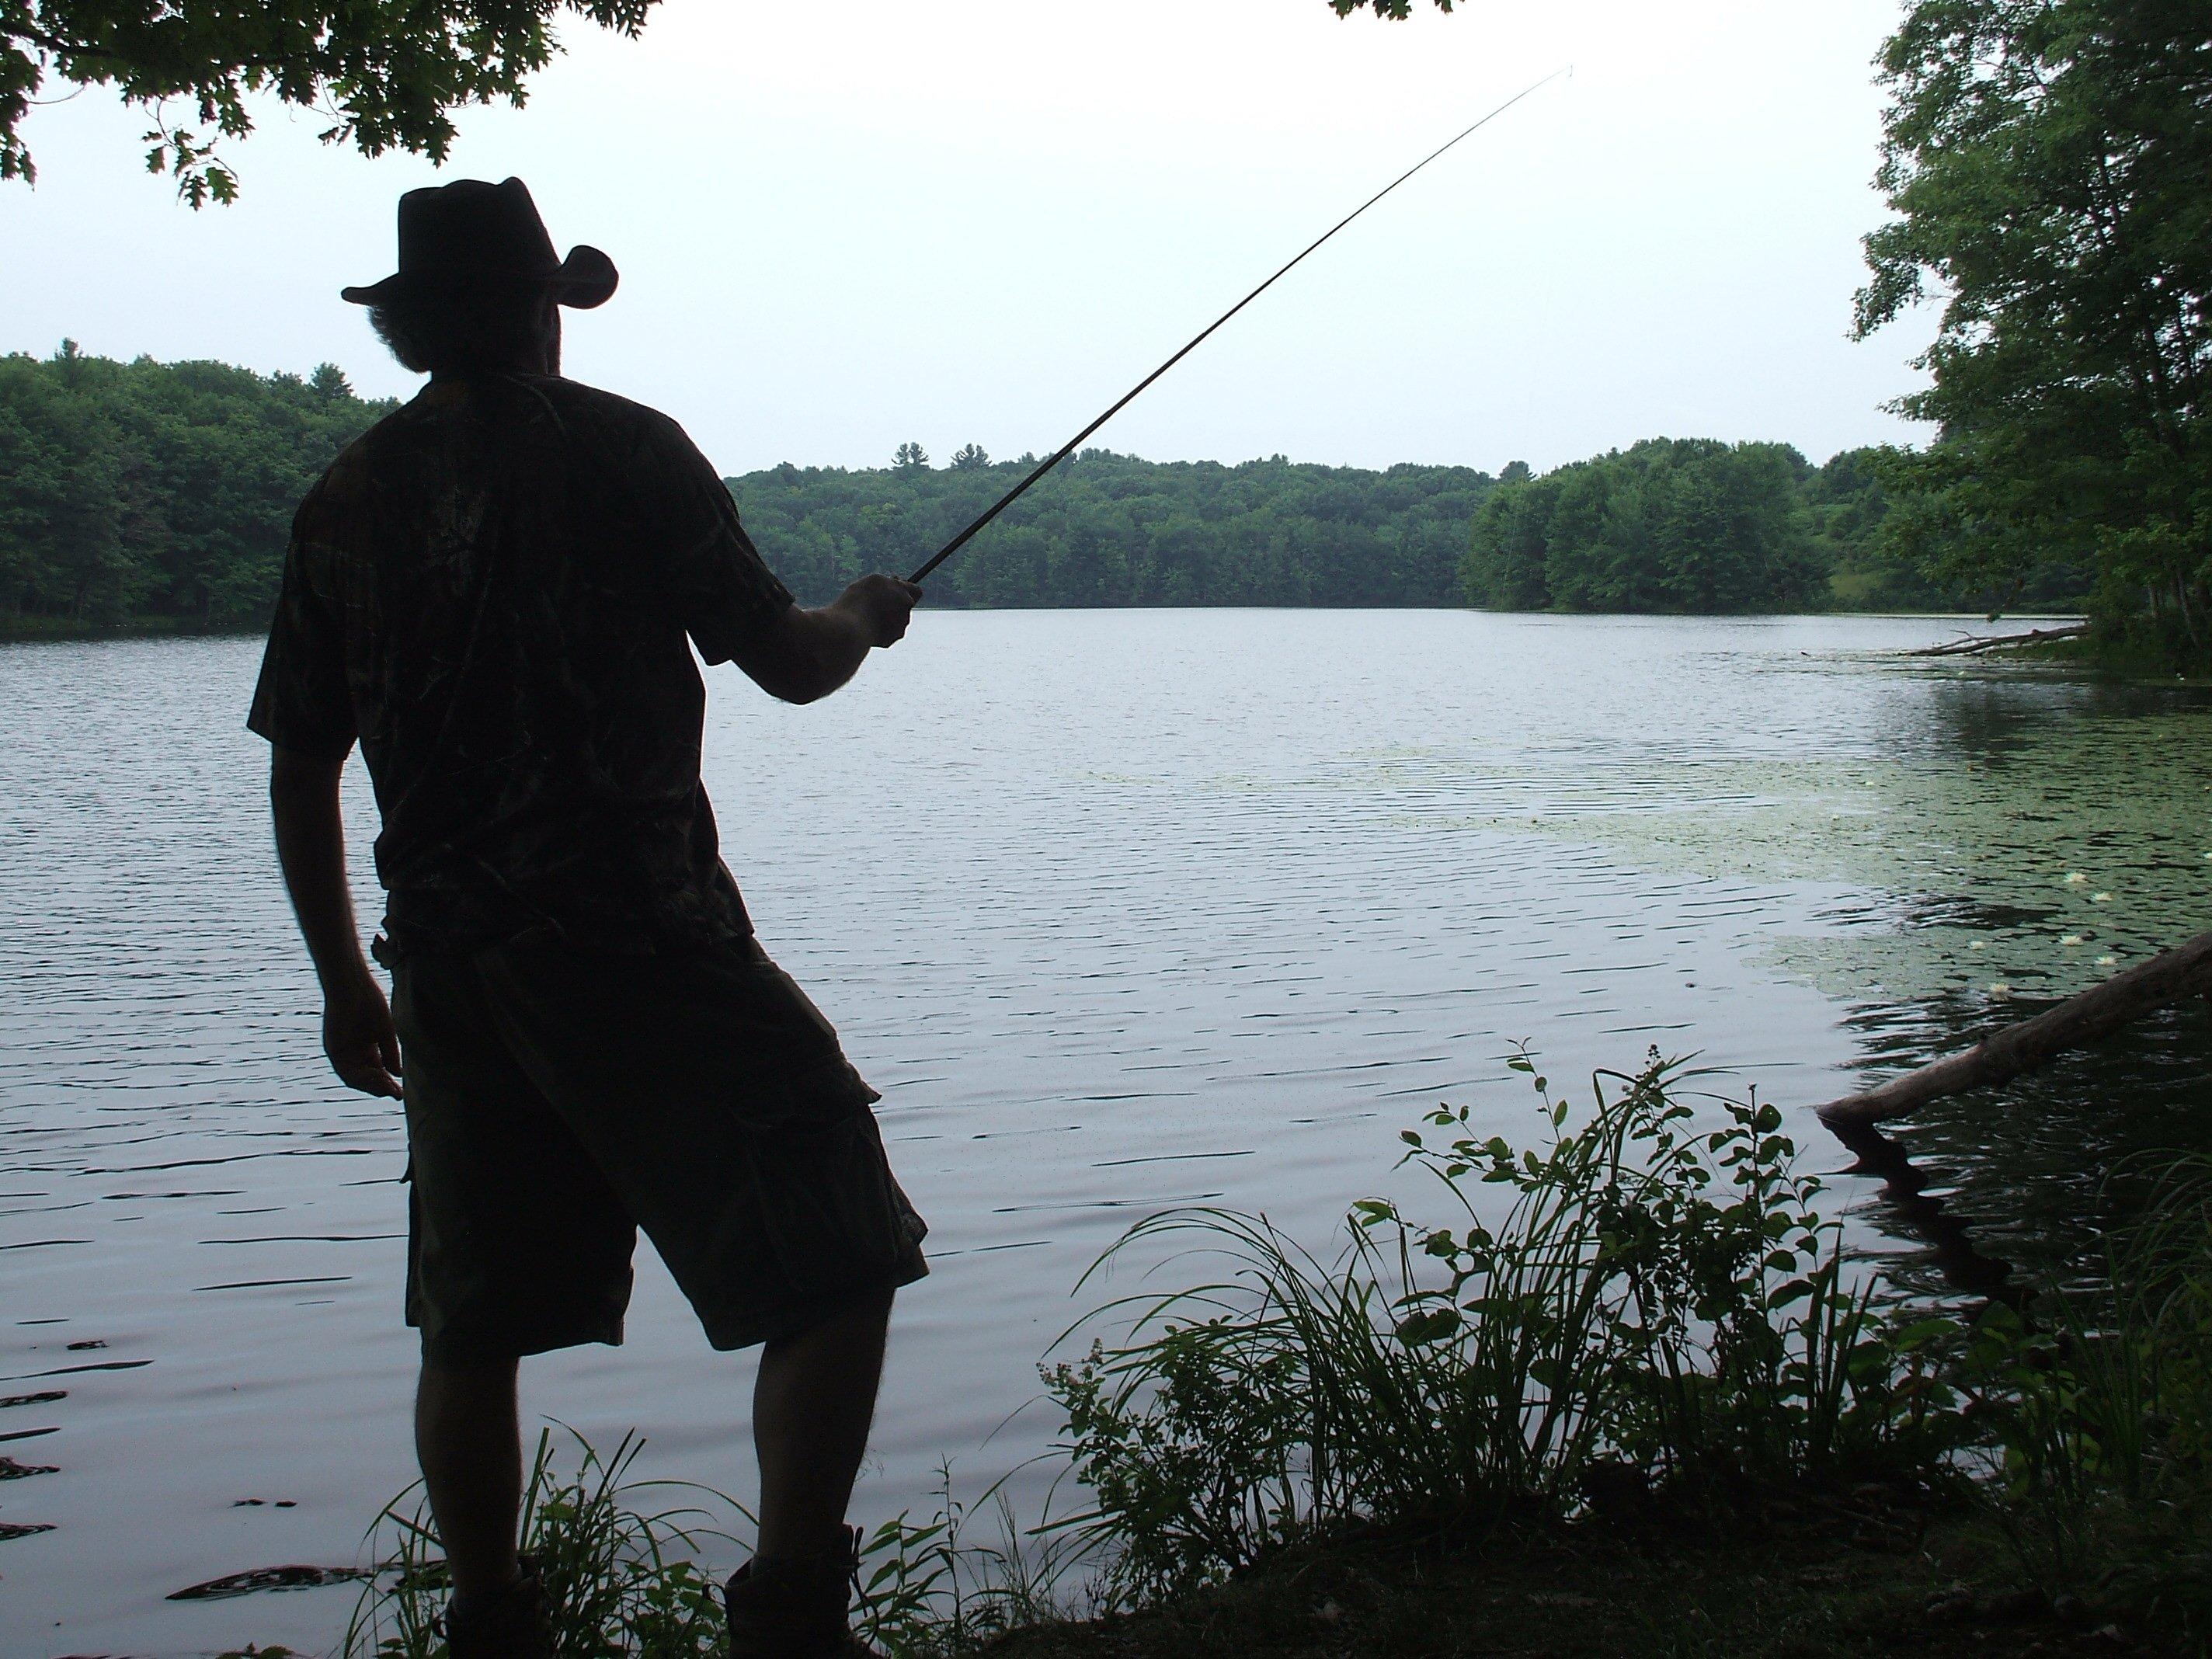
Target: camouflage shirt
{"type": "Point", "coordinates": [492, 590]}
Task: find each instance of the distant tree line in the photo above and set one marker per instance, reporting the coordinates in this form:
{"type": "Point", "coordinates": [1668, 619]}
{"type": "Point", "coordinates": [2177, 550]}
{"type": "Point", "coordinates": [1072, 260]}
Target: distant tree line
{"type": "Point", "coordinates": [1696, 526]}
{"type": "Point", "coordinates": [1113, 530]}
{"type": "Point", "coordinates": [144, 489]}
{"type": "Point", "coordinates": [131, 491]}
{"type": "Point", "coordinates": [157, 490]}
{"type": "Point", "coordinates": [1671, 525]}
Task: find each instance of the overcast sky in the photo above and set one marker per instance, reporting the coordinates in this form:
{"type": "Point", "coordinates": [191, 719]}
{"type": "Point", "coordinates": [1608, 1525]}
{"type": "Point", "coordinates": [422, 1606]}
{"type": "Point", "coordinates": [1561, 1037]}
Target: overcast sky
{"type": "Point", "coordinates": [844, 226]}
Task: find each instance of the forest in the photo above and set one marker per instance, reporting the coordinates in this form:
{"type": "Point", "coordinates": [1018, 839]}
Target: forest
{"type": "Point", "coordinates": [146, 493]}
{"type": "Point", "coordinates": [1670, 524]}
{"type": "Point", "coordinates": [1114, 529]}
{"type": "Point", "coordinates": [156, 492]}
{"type": "Point", "coordinates": [1698, 527]}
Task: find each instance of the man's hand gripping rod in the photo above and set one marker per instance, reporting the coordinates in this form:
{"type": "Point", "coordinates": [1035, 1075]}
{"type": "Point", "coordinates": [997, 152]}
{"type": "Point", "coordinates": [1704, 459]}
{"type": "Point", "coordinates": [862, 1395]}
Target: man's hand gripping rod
{"type": "Point", "coordinates": [1069, 449]}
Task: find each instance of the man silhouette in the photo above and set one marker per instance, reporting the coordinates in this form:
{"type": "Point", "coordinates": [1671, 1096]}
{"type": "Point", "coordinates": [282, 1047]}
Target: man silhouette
{"type": "Point", "coordinates": [496, 592]}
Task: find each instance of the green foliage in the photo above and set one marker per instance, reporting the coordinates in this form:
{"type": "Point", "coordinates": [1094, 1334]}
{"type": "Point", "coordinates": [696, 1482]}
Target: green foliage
{"type": "Point", "coordinates": [1658, 1308]}
{"type": "Point", "coordinates": [1846, 506]}
{"type": "Point", "coordinates": [385, 77]}
{"type": "Point", "coordinates": [1671, 525]}
{"type": "Point", "coordinates": [2101, 1405]}
{"type": "Point", "coordinates": [161, 489]}
{"type": "Point", "coordinates": [1109, 530]}
{"type": "Point", "coordinates": [2047, 164]}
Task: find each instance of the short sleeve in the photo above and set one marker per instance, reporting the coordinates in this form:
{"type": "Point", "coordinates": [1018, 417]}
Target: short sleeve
{"type": "Point", "coordinates": [301, 701]}
{"type": "Point", "coordinates": [722, 591]}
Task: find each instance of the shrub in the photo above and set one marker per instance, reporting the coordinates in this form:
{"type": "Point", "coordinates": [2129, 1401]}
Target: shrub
{"type": "Point", "coordinates": [1660, 1307]}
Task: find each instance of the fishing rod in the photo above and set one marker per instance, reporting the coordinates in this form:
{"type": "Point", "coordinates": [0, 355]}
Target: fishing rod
{"type": "Point", "coordinates": [1069, 449]}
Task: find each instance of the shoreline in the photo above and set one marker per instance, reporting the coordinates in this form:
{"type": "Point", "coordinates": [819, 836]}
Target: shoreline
{"type": "Point", "coordinates": [1807, 1574]}
{"type": "Point", "coordinates": [41, 630]}
{"type": "Point", "coordinates": [60, 631]}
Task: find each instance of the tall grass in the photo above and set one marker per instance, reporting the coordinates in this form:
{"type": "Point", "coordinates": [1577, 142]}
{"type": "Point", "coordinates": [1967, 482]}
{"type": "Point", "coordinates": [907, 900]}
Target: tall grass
{"type": "Point", "coordinates": [622, 1582]}
{"type": "Point", "coordinates": [1658, 1308]}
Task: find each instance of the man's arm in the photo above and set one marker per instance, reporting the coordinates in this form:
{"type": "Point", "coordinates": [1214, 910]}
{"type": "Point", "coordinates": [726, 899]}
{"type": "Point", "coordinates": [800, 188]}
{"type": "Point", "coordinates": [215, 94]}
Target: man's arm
{"type": "Point", "coordinates": [806, 654]}
{"type": "Point", "coordinates": [358, 1035]}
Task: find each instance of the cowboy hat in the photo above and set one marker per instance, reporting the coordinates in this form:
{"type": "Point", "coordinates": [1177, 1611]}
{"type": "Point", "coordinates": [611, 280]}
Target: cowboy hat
{"type": "Point", "coordinates": [471, 235]}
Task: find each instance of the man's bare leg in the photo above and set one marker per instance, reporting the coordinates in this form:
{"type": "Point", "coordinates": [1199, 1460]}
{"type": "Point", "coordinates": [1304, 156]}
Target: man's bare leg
{"type": "Point", "coordinates": [471, 1449]}
{"type": "Point", "coordinates": [812, 1404]}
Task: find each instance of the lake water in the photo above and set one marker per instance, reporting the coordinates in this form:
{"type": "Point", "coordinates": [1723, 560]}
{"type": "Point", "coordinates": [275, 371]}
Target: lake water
{"type": "Point", "coordinates": [1121, 910]}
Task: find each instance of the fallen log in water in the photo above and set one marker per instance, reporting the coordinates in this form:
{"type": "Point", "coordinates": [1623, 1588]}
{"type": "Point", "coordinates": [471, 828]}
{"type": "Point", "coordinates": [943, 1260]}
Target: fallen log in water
{"type": "Point", "coordinates": [2184, 971]}
{"type": "Point", "coordinates": [2033, 637]}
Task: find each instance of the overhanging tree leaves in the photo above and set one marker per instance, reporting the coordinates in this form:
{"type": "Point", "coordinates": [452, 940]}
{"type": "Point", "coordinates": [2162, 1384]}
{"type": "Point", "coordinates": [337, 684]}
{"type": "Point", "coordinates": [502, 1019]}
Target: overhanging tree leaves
{"type": "Point", "coordinates": [2047, 160]}
{"type": "Point", "coordinates": [386, 73]}
{"type": "Point", "coordinates": [1396, 10]}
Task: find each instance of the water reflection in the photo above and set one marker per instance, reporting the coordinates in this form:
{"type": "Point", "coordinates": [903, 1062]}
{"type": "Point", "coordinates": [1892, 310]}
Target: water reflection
{"type": "Point", "coordinates": [1918, 1210]}
{"type": "Point", "coordinates": [2039, 1172]}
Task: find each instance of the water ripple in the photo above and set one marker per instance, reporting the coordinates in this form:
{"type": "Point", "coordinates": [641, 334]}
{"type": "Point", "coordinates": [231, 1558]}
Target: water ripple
{"type": "Point", "coordinates": [1094, 899]}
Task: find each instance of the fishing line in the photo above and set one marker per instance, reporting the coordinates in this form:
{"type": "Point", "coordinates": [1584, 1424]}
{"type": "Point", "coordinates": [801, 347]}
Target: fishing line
{"type": "Point", "coordinates": [1069, 449]}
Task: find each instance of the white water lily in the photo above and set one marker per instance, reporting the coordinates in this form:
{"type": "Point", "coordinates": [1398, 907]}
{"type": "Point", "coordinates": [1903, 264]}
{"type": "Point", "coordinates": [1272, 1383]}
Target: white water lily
{"type": "Point", "coordinates": [2108, 962]}
{"type": "Point", "coordinates": [1999, 991]}
{"type": "Point", "coordinates": [2101, 898]}
{"type": "Point", "coordinates": [2075, 878]}
{"type": "Point", "coordinates": [1977, 944]}
{"type": "Point", "coordinates": [2071, 939]}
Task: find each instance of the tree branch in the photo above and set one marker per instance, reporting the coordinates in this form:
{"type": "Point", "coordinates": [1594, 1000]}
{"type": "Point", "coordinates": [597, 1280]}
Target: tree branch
{"type": "Point", "coordinates": [2182, 972]}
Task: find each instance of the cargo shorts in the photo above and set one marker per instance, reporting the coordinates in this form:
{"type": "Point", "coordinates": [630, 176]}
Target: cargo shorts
{"type": "Point", "coordinates": [559, 1099]}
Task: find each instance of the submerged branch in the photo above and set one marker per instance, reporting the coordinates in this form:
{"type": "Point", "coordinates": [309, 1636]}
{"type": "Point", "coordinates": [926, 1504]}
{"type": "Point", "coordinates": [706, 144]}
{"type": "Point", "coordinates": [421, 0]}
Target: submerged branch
{"type": "Point", "coordinates": [2095, 1014]}
{"type": "Point", "coordinates": [1967, 647]}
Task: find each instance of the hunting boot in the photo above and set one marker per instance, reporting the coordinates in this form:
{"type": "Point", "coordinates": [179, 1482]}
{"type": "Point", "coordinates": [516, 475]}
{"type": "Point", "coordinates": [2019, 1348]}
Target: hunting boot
{"type": "Point", "coordinates": [508, 1624]}
{"type": "Point", "coordinates": [796, 1609]}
